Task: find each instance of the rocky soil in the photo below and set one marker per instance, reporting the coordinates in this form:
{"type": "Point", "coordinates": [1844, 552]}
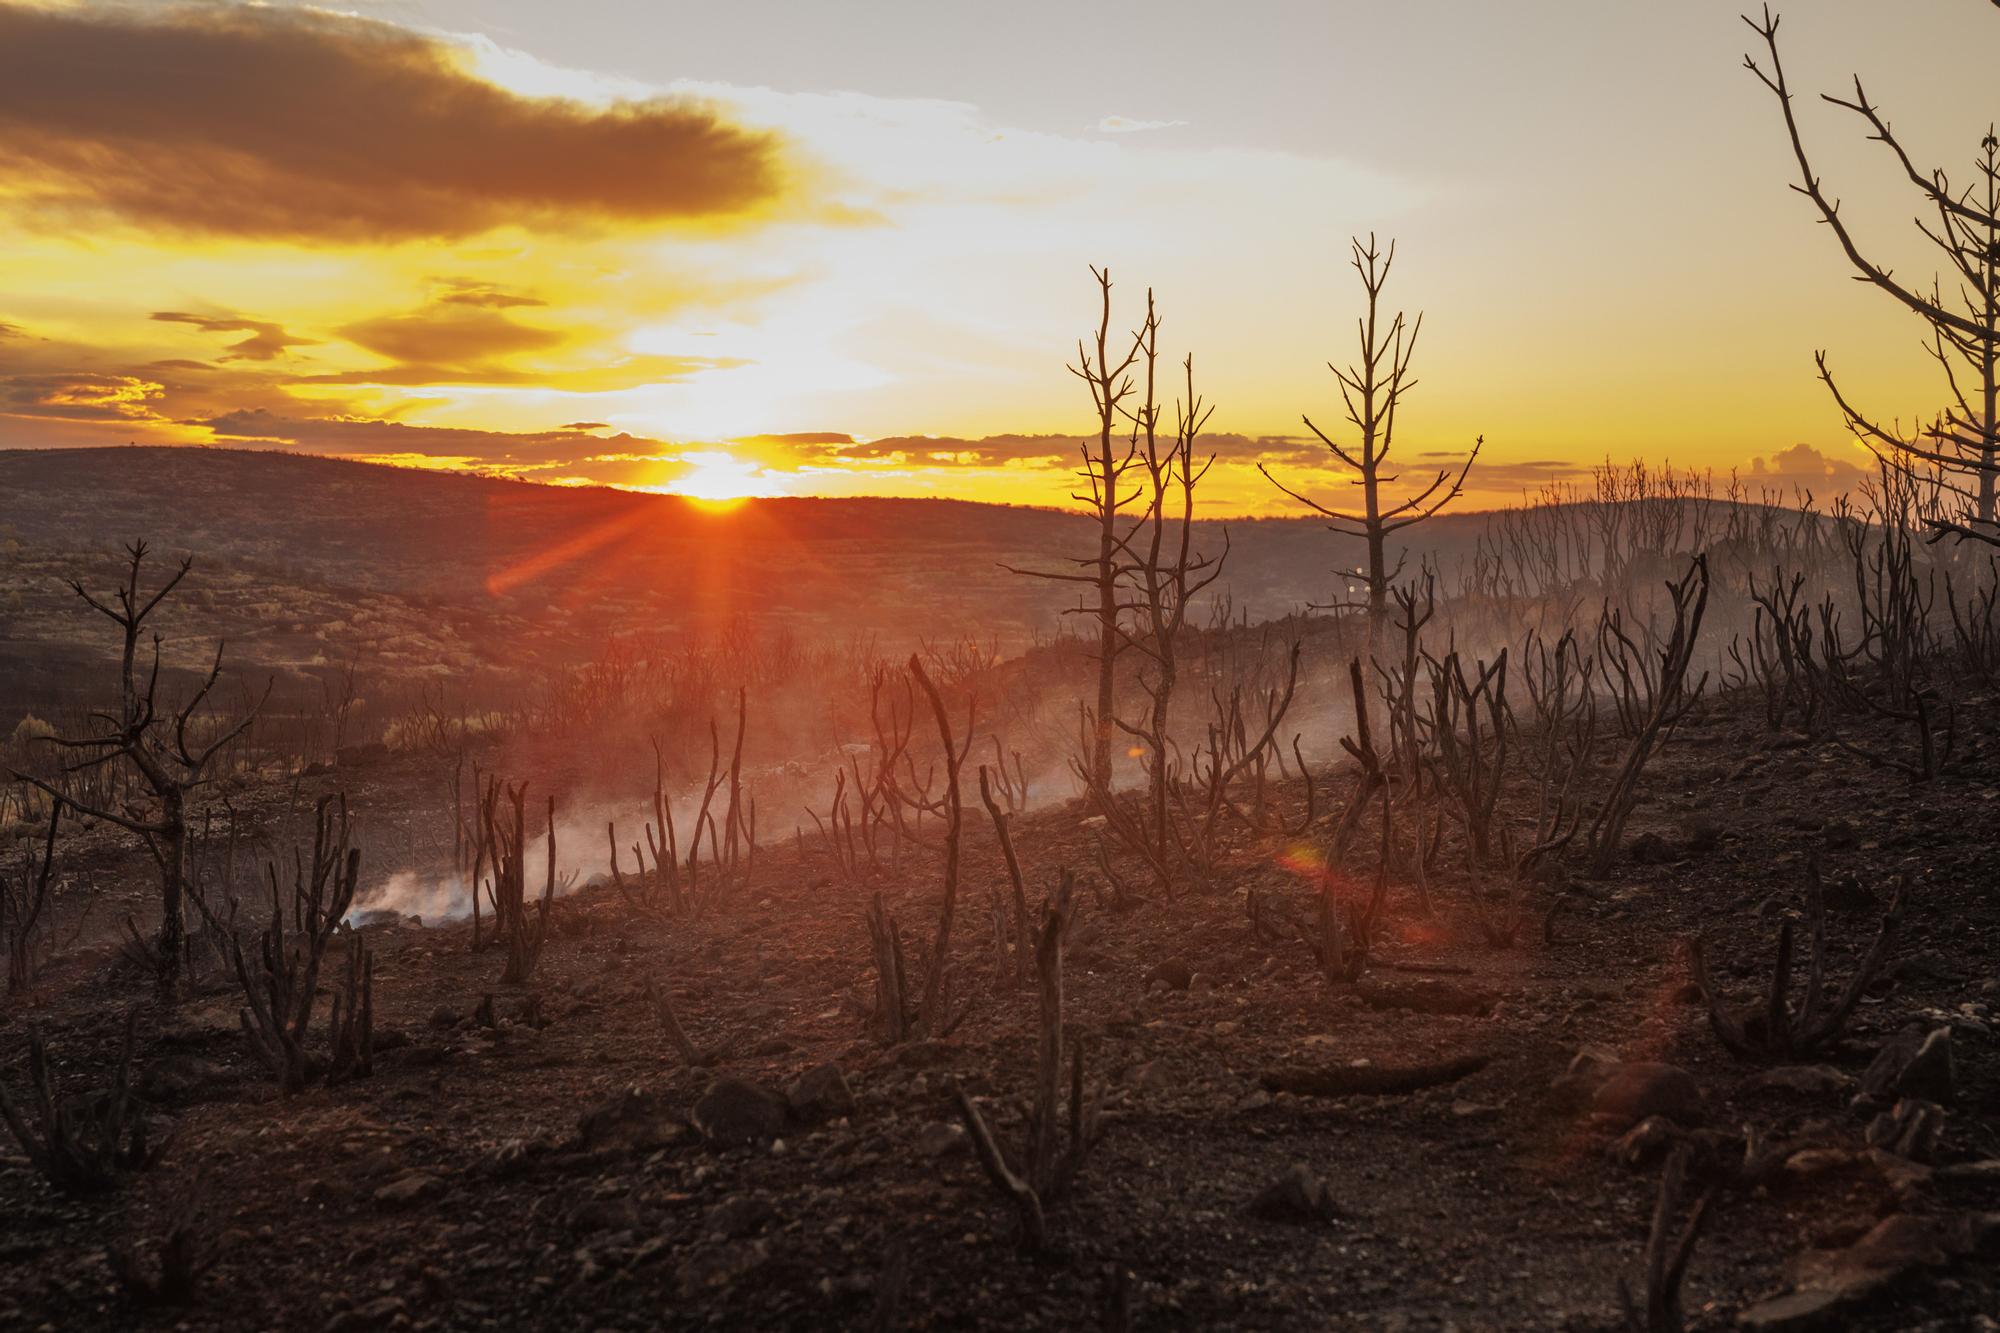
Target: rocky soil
{"type": "Point", "coordinates": [546, 1159]}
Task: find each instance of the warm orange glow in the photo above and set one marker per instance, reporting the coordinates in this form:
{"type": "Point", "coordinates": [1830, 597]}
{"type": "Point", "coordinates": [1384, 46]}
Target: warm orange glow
{"type": "Point", "coordinates": [532, 267]}
{"type": "Point", "coordinates": [718, 480]}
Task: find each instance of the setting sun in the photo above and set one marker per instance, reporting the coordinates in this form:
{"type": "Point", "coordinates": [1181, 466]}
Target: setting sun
{"type": "Point", "coordinates": [818, 666]}
{"type": "Point", "coordinates": [718, 478]}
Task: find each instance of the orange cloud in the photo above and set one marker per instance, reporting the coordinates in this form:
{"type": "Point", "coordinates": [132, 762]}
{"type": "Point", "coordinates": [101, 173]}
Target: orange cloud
{"type": "Point", "coordinates": [80, 396]}
{"type": "Point", "coordinates": [310, 126]}
{"type": "Point", "coordinates": [448, 336]}
{"type": "Point", "coordinates": [461, 291]}
{"type": "Point", "coordinates": [266, 341]}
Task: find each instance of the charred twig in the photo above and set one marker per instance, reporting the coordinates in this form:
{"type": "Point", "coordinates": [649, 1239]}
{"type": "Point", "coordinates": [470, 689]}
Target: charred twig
{"type": "Point", "coordinates": [1003, 822]}
{"type": "Point", "coordinates": [1047, 1167]}
{"type": "Point", "coordinates": [1667, 1252]}
{"type": "Point", "coordinates": [24, 897]}
{"type": "Point", "coordinates": [694, 1057]}
{"type": "Point", "coordinates": [172, 1277]}
{"type": "Point", "coordinates": [81, 1142]}
{"type": "Point", "coordinates": [1775, 1032]}
{"type": "Point", "coordinates": [282, 985]}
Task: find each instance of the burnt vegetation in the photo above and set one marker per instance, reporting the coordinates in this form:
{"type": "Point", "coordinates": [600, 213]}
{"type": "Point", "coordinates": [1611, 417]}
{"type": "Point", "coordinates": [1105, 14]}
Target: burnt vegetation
{"type": "Point", "coordinates": [1613, 884]}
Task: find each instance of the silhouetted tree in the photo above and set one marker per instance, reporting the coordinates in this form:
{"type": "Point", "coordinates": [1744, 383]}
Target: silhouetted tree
{"type": "Point", "coordinates": [1104, 467]}
{"type": "Point", "coordinates": [1962, 444]}
{"type": "Point", "coordinates": [164, 750]}
{"type": "Point", "coordinates": [1372, 390]}
{"type": "Point", "coordinates": [1165, 574]}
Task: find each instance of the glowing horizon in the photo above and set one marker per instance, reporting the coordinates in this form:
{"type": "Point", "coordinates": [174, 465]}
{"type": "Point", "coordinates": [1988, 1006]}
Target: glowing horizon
{"type": "Point", "coordinates": [663, 254]}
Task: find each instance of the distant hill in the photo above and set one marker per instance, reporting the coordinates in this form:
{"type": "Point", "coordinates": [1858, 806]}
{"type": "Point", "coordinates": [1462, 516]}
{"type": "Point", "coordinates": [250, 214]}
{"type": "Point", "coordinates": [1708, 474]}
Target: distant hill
{"type": "Point", "coordinates": [890, 565]}
{"type": "Point", "coordinates": [301, 561]}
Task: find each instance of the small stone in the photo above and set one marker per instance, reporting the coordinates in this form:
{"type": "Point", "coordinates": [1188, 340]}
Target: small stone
{"type": "Point", "coordinates": [940, 1138]}
{"type": "Point", "coordinates": [735, 1111]}
{"type": "Point", "coordinates": [1642, 1088]}
{"type": "Point", "coordinates": [1914, 1063]}
{"type": "Point", "coordinates": [1650, 849]}
{"type": "Point", "coordinates": [1295, 1196]}
{"type": "Point", "coordinates": [1700, 836]}
{"type": "Point", "coordinates": [1228, 1027]}
{"type": "Point", "coordinates": [1799, 1312]}
{"type": "Point", "coordinates": [1810, 1162]}
{"type": "Point", "coordinates": [408, 1190]}
{"type": "Point", "coordinates": [506, 1158]}
{"type": "Point", "coordinates": [739, 1216]}
{"type": "Point", "coordinates": [821, 1093]}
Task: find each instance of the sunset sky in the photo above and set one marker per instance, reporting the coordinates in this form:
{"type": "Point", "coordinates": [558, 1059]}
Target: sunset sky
{"type": "Point", "coordinates": [826, 248]}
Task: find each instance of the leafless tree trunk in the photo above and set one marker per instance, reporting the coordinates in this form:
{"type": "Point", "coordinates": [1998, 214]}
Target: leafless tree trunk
{"type": "Point", "coordinates": [165, 750]}
{"type": "Point", "coordinates": [1103, 471]}
{"type": "Point", "coordinates": [1372, 390]}
{"type": "Point", "coordinates": [1166, 574]}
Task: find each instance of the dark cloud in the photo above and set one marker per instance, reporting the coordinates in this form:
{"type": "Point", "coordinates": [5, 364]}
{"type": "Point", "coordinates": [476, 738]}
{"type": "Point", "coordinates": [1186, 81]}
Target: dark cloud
{"type": "Point", "coordinates": [265, 341]}
{"type": "Point", "coordinates": [461, 292]}
{"type": "Point", "coordinates": [80, 396]}
{"type": "Point", "coordinates": [307, 125]}
{"type": "Point", "coordinates": [448, 336]}
{"type": "Point", "coordinates": [362, 436]}
{"type": "Point", "coordinates": [45, 379]}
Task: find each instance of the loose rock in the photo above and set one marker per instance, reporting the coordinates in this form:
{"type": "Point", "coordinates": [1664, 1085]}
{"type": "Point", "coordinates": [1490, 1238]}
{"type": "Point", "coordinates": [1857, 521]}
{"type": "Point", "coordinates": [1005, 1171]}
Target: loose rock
{"type": "Point", "coordinates": [735, 1111]}
{"type": "Point", "coordinates": [821, 1093]}
{"type": "Point", "coordinates": [1295, 1196]}
{"type": "Point", "coordinates": [1642, 1088]}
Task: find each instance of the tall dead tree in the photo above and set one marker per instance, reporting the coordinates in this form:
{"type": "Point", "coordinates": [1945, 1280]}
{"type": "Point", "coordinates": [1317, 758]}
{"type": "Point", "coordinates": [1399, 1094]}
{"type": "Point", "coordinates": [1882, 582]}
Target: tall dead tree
{"type": "Point", "coordinates": [1105, 463]}
{"type": "Point", "coordinates": [1165, 575]}
{"type": "Point", "coordinates": [167, 750]}
{"type": "Point", "coordinates": [1372, 390]}
{"type": "Point", "coordinates": [1962, 443]}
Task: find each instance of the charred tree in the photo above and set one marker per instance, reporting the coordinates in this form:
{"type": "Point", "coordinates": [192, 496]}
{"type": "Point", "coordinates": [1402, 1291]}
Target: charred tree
{"type": "Point", "coordinates": [164, 748]}
{"type": "Point", "coordinates": [1372, 390]}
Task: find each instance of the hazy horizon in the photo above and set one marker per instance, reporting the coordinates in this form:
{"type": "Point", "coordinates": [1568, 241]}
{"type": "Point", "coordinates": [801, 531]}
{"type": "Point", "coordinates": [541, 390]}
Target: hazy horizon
{"type": "Point", "coordinates": [662, 251]}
